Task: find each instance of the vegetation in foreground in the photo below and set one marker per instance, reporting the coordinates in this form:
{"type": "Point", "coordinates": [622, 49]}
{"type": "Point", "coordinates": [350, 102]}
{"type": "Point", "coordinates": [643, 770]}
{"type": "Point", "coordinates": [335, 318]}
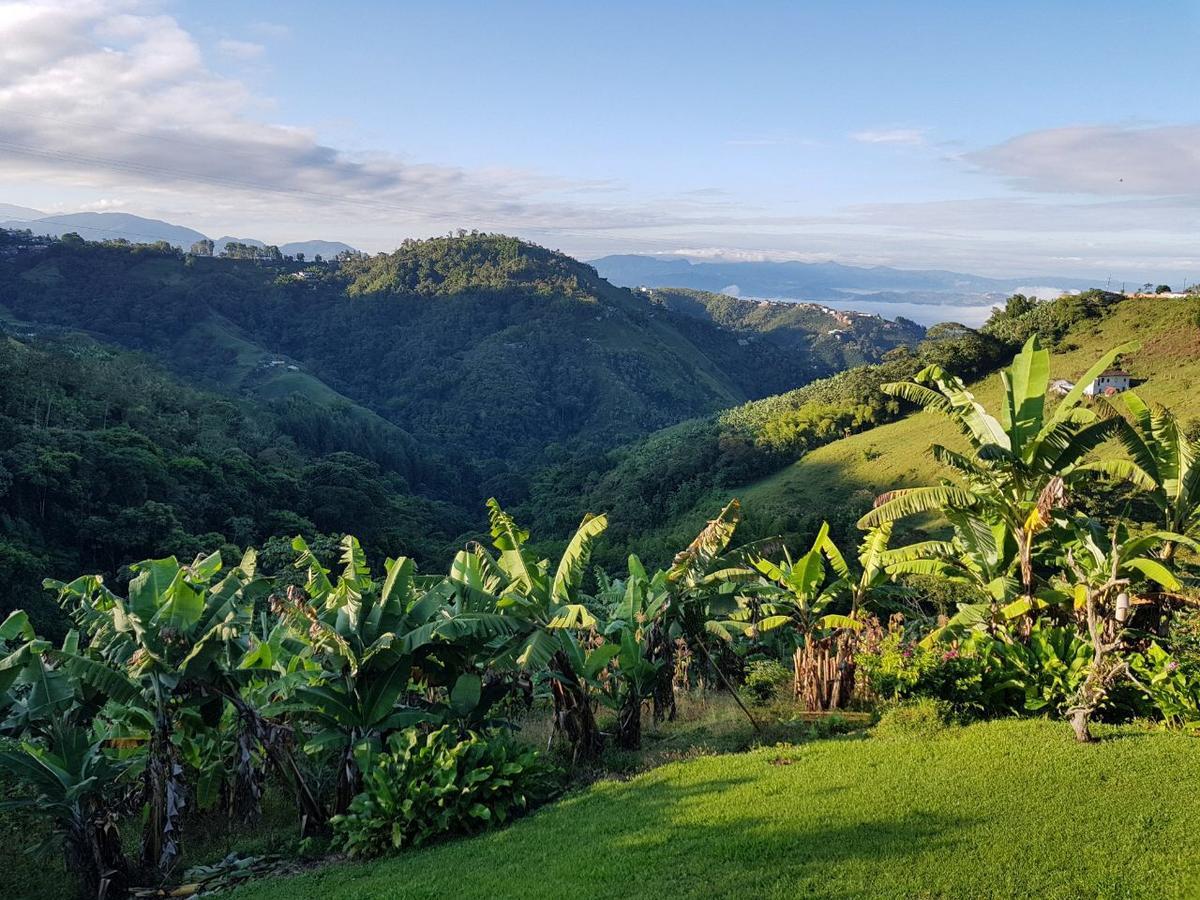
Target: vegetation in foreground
{"type": "Point", "coordinates": [1000, 809]}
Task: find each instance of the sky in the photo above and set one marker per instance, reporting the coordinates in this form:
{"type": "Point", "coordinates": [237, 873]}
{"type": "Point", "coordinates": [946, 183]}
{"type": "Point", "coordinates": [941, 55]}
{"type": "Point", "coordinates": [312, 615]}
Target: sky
{"type": "Point", "coordinates": [1048, 138]}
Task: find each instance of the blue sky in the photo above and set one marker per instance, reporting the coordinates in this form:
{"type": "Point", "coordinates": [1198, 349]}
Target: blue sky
{"type": "Point", "coordinates": [1016, 138]}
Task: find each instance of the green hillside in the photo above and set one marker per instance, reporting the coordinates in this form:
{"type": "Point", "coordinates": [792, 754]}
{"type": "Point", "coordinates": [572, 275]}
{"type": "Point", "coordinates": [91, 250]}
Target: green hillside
{"type": "Point", "coordinates": [484, 349]}
{"type": "Point", "coordinates": [846, 475]}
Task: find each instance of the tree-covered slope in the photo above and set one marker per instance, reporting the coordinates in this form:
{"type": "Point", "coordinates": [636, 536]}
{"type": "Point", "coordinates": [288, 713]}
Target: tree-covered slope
{"type": "Point", "coordinates": [107, 457]}
{"type": "Point", "coordinates": [832, 338]}
{"type": "Point", "coordinates": [485, 349]}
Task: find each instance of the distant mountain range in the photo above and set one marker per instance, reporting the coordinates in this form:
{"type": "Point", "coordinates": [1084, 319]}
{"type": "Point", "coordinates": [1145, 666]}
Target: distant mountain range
{"type": "Point", "coordinates": [96, 226]}
{"type": "Point", "coordinates": [820, 281]}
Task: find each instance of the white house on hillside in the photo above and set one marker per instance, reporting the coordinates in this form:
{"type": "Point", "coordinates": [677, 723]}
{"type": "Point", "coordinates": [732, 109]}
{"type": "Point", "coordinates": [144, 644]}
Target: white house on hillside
{"type": "Point", "coordinates": [1112, 381]}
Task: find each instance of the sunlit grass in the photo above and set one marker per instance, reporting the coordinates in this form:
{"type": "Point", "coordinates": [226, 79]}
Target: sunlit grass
{"type": "Point", "coordinates": [1004, 809]}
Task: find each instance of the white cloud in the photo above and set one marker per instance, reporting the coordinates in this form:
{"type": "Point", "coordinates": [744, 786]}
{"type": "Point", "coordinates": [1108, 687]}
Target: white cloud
{"type": "Point", "coordinates": [890, 136]}
{"type": "Point", "coordinates": [1106, 160]}
{"type": "Point", "coordinates": [114, 95]}
{"type": "Point", "coordinates": [243, 51]}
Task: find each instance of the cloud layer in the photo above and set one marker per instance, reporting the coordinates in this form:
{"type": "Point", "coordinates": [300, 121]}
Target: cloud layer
{"type": "Point", "coordinates": [103, 94]}
{"type": "Point", "coordinates": [1101, 160]}
{"type": "Point", "coordinates": [113, 103]}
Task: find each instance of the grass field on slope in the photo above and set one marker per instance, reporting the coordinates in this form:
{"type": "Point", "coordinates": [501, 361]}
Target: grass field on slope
{"type": "Point", "coordinates": [1002, 809]}
{"type": "Point", "coordinates": [897, 454]}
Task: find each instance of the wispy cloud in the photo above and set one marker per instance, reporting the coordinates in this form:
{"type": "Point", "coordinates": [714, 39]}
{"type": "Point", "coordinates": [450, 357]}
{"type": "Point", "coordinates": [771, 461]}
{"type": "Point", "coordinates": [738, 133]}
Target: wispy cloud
{"type": "Point", "coordinates": [245, 51]}
{"type": "Point", "coordinates": [1106, 160]}
{"type": "Point", "coordinates": [753, 142]}
{"type": "Point", "coordinates": [890, 136]}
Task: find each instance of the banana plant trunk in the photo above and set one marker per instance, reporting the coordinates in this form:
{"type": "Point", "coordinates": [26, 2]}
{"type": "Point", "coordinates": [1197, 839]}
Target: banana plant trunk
{"type": "Point", "coordinates": [165, 799]}
{"type": "Point", "coordinates": [94, 854]}
{"type": "Point", "coordinates": [824, 673]}
{"type": "Point", "coordinates": [629, 722]}
{"type": "Point", "coordinates": [662, 651]}
{"type": "Point", "coordinates": [573, 712]}
{"type": "Point", "coordinates": [349, 779]}
{"type": "Point", "coordinates": [275, 741]}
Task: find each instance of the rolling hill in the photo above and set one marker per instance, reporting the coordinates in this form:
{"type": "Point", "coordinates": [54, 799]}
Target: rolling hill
{"type": "Point", "coordinates": [493, 351]}
{"type": "Point", "coordinates": [839, 480]}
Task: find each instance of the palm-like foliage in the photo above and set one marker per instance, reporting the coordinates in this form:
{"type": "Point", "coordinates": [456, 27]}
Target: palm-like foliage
{"type": "Point", "coordinates": [60, 765]}
{"type": "Point", "coordinates": [1019, 463]}
{"type": "Point", "coordinates": [68, 779]}
{"type": "Point", "coordinates": [801, 592]}
{"type": "Point", "coordinates": [542, 613]}
{"type": "Point", "coordinates": [1168, 458]}
{"type": "Point", "coordinates": [634, 609]}
{"type": "Point", "coordinates": [162, 647]}
{"type": "Point", "coordinates": [365, 643]}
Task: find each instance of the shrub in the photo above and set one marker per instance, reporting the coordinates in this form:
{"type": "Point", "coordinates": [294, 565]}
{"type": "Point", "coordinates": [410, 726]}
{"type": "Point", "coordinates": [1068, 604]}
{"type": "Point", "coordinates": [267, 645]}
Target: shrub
{"type": "Point", "coordinates": [765, 679]}
{"type": "Point", "coordinates": [918, 718]}
{"type": "Point", "coordinates": [897, 670]}
{"type": "Point", "coordinates": [1173, 687]}
{"type": "Point", "coordinates": [425, 785]}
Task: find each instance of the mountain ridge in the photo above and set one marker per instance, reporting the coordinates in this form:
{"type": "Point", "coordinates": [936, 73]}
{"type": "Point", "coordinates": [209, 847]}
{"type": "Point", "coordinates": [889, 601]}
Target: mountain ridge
{"type": "Point", "coordinates": [817, 280]}
{"type": "Point", "coordinates": [100, 226]}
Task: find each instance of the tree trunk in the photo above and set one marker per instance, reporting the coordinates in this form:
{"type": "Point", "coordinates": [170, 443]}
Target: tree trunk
{"type": "Point", "coordinates": [246, 800]}
{"type": "Point", "coordinates": [92, 847]}
{"type": "Point", "coordinates": [824, 674]}
{"type": "Point", "coordinates": [349, 780]}
{"type": "Point", "coordinates": [1080, 717]}
{"type": "Point", "coordinates": [275, 740]}
{"type": "Point", "coordinates": [629, 723]}
{"type": "Point", "coordinates": [572, 711]}
{"type": "Point", "coordinates": [662, 651]}
{"type": "Point", "coordinates": [165, 799]}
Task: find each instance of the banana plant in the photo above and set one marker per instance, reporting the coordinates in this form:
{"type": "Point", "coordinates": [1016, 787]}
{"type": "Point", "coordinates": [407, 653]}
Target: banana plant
{"type": "Point", "coordinates": [371, 649]}
{"type": "Point", "coordinates": [706, 579]}
{"type": "Point", "coordinates": [545, 614]}
{"type": "Point", "coordinates": [163, 647]}
{"type": "Point", "coordinates": [69, 779]}
{"type": "Point", "coordinates": [59, 761]}
{"type": "Point", "coordinates": [801, 594]}
{"type": "Point", "coordinates": [1169, 461]}
{"type": "Point", "coordinates": [980, 557]}
{"type": "Point", "coordinates": [1018, 466]}
{"type": "Point", "coordinates": [633, 626]}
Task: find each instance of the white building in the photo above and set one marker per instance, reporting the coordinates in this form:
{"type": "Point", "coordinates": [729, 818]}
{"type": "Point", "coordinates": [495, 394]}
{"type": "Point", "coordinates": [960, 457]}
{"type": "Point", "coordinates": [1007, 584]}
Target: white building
{"type": "Point", "coordinates": [1112, 381]}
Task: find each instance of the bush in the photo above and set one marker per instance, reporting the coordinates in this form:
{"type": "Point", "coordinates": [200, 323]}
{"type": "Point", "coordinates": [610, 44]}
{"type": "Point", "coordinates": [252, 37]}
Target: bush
{"type": "Point", "coordinates": [923, 717]}
{"type": "Point", "coordinates": [897, 670]}
{"type": "Point", "coordinates": [1173, 687]}
{"type": "Point", "coordinates": [765, 679]}
{"type": "Point", "coordinates": [427, 785]}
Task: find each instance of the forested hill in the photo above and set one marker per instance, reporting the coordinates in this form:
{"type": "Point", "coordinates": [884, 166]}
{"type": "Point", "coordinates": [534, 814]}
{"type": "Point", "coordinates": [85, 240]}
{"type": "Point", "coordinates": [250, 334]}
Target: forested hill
{"type": "Point", "coordinates": [481, 347]}
{"type": "Point", "coordinates": [154, 402]}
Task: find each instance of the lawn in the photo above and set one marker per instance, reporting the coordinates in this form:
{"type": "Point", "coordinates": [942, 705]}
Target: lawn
{"type": "Point", "coordinates": [1002, 809]}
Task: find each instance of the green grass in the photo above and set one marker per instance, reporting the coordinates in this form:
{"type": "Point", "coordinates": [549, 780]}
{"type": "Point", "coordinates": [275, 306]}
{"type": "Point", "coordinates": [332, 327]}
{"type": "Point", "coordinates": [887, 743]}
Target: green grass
{"type": "Point", "coordinates": [1003, 809]}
